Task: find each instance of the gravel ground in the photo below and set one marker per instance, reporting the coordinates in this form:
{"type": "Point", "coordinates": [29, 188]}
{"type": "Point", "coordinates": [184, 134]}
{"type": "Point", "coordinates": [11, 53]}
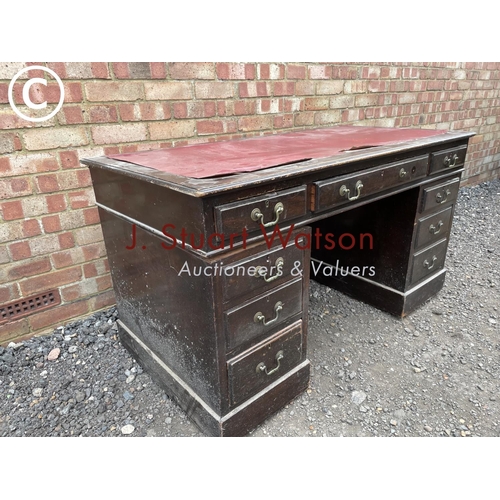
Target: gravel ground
{"type": "Point", "coordinates": [434, 373]}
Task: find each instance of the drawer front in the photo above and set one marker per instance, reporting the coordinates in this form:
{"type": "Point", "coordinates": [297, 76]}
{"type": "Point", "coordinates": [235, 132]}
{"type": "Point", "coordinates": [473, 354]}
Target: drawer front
{"type": "Point", "coordinates": [433, 228]}
{"type": "Point", "coordinates": [260, 273]}
{"type": "Point", "coordinates": [255, 369]}
{"type": "Point", "coordinates": [268, 210]}
{"type": "Point", "coordinates": [263, 314]}
{"type": "Point", "coordinates": [428, 261]}
{"type": "Point", "coordinates": [347, 189]}
{"type": "Point", "coordinates": [441, 195]}
{"type": "Point", "coordinates": [448, 159]}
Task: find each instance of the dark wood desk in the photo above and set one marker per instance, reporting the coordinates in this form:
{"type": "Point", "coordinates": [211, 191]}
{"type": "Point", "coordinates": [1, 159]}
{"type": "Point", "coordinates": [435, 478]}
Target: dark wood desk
{"type": "Point", "coordinates": [214, 307]}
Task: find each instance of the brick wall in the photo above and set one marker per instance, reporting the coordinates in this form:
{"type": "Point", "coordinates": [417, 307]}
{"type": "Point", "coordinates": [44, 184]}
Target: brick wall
{"type": "Point", "coordinates": [50, 236]}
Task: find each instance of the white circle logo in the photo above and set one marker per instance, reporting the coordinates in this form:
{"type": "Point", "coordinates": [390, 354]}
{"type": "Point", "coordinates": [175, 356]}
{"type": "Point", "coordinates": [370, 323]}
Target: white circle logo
{"type": "Point", "coordinates": [26, 94]}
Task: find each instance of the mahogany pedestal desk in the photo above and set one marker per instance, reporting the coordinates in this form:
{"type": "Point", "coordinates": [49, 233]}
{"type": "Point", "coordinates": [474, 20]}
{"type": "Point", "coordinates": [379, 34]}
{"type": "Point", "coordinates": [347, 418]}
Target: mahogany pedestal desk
{"type": "Point", "coordinates": [213, 306]}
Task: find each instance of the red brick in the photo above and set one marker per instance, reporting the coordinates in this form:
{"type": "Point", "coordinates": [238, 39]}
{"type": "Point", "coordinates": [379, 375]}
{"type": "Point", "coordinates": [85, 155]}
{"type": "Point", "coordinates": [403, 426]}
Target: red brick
{"type": "Point", "coordinates": [250, 123]}
{"type": "Point", "coordinates": [51, 224]}
{"type": "Point", "coordinates": [71, 115]}
{"type": "Point", "coordinates": [83, 177]}
{"type": "Point", "coordinates": [103, 114]}
{"type": "Point", "coordinates": [270, 71]}
{"type": "Point", "coordinates": [254, 89]}
{"type": "Point", "coordinates": [66, 240]}
{"type": "Point", "coordinates": [78, 255]}
{"type": "Point", "coordinates": [296, 72]}
{"type": "Point", "coordinates": [316, 103]}
{"type": "Point", "coordinates": [96, 268]}
{"type": "Point", "coordinates": [99, 70]}
{"type": "Point", "coordinates": [47, 183]}
{"type": "Point", "coordinates": [50, 280]}
{"type": "Point", "coordinates": [210, 127]}
{"type": "Point", "coordinates": [81, 199]}
{"type": "Point", "coordinates": [4, 165]}
{"type": "Point", "coordinates": [31, 227]}
{"type": "Point", "coordinates": [12, 188]}
{"type": "Point", "coordinates": [69, 159]}
{"type": "Point", "coordinates": [320, 72]}
{"type": "Point", "coordinates": [73, 92]}
{"type": "Point", "coordinates": [4, 93]}
{"type": "Point", "coordinates": [20, 250]}
{"type": "Point", "coordinates": [94, 251]}
{"type": "Point", "coordinates": [13, 329]}
{"type": "Point", "coordinates": [9, 143]}
{"type": "Point", "coordinates": [235, 71]}
{"type": "Point", "coordinates": [55, 203]}
{"type": "Point", "coordinates": [283, 121]}
{"type": "Point", "coordinates": [12, 210]}
{"type": "Point", "coordinates": [111, 150]}
{"type": "Point", "coordinates": [104, 300]}
{"type": "Point", "coordinates": [194, 109]}
{"type": "Point", "coordinates": [91, 216]}
{"type": "Point", "coordinates": [284, 88]}
{"type": "Point", "coordinates": [35, 267]}
{"type": "Point", "coordinates": [245, 107]}
{"type": "Point", "coordinates": [158, 70]}
{"type": "Point", "coordinates": [58, 316]}
{"type": "Point", "coordinates": [121, 70]}
{"type": "Point", "coordinates": [104, 282]}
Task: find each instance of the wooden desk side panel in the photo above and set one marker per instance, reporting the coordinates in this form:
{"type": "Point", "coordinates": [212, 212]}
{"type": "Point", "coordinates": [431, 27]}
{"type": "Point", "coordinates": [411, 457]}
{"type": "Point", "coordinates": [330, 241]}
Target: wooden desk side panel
{"type": "Point", "coordinates": [147, 203]}
{"type": "Point", "coordinates": [172, 314]}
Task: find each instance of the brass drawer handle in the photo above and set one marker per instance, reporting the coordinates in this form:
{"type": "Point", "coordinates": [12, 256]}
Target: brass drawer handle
{"type": "Point", "coordinates": [447, 162]}
{"type": "Point", "coordinates": [439, 196]}
{"type": "Point", "coordinates": [260, 317]}
{"type": "Point", "coordinates": [261, 367]}
{"type": "Point", "coordinates": [347, 192]}
{"type": "Point", "coordinates": [434, 229]}
{"type": "Point", "coordinates": [257, 215]}
{"type": "Point", "coordinates": [279, 266]}
{"type": "Point", "coordinates": [402, 173]}
{"type": "Point", "coordinates": [429, 265]}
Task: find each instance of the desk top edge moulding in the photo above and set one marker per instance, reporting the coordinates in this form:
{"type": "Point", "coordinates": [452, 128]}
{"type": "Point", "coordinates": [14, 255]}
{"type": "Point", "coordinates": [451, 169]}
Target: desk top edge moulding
{"type": "Point", "coordinates": [211, 248]}
{"type": "Point", "coordinates": [208, 168]}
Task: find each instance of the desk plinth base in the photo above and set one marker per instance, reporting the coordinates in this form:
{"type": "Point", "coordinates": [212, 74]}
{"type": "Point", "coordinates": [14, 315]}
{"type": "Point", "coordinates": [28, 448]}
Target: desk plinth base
{"type": "Point", "coordinates": [383, 297]}
{"type": "Point", "coordinates": [239, 421]}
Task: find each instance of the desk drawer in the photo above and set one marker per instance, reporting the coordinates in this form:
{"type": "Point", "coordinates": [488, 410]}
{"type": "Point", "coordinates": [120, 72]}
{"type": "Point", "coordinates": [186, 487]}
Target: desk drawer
{"type": "Point", "coordinates": [448, 159]}
{"type": "Point", "coordinates": [348, 188]}
{"type": "Point", "coordinates": [258, 367]}
{"type": "Point", "coordinates": [270, 210]}
{"type": "Point", "coordinates": [263, 314]}
{"type": "Point", "coordinates": [433, 228]}
{"type": "Point", "coordinates": [440, 195]}
{"type": "Point", "coordinates": [261, 273]}
{"type": "Point", "coordinates": [428, 261]}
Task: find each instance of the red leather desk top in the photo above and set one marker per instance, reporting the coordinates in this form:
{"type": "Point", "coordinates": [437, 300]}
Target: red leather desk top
{"type": "Point", "coordinates": [247, 155]}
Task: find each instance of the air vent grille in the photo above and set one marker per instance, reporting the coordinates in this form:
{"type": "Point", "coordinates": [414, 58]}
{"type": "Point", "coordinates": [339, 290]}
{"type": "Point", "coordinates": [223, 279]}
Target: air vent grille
{"type": "Point", "coordinates": [24, 307]}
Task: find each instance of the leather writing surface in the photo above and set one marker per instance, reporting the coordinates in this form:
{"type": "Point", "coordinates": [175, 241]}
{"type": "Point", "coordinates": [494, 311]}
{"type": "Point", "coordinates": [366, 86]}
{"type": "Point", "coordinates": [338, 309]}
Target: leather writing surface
{"type": "Point", "coordinates": [247, 155]}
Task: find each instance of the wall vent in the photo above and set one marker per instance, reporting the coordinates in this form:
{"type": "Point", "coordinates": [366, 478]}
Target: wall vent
{"type": "Point", "coordinates": [26, 306]}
